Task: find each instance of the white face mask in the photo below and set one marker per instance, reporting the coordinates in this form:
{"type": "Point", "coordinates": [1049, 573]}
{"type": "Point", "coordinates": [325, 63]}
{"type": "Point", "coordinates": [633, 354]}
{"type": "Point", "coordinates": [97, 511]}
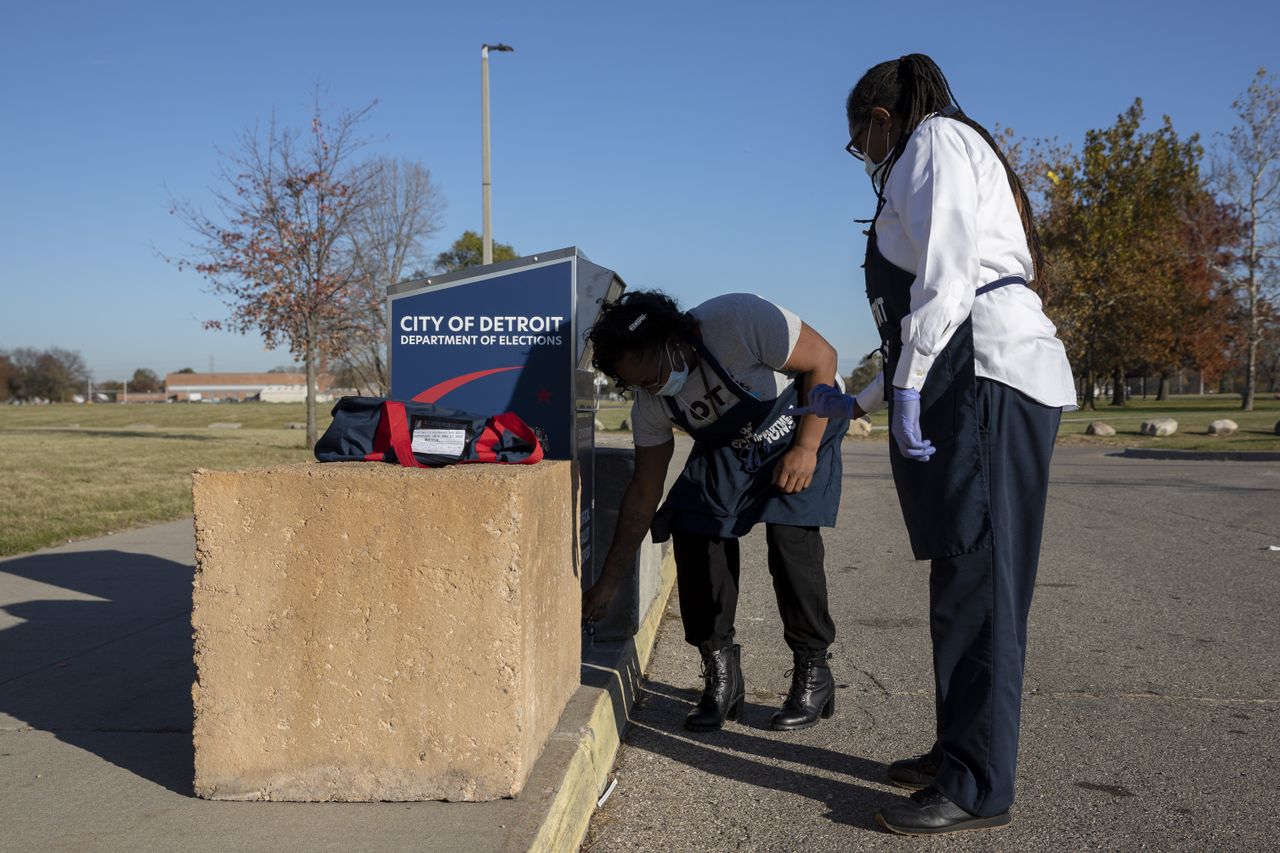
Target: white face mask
{"type": "Point", "coordinates": [676, 380]}
{"type": "Point", "coordinates": [872, 168]}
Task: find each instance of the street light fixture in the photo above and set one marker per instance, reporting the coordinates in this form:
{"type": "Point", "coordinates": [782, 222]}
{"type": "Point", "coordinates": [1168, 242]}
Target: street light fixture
{"type": "Point", "coordinates": [486, 183]}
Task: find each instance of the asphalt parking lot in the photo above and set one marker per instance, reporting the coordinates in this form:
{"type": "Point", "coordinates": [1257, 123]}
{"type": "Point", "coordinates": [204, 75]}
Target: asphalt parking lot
{"type": "Point", "coordinates": [1152, 705]}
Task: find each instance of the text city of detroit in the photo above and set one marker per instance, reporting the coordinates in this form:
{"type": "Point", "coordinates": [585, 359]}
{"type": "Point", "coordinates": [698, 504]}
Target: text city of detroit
{"type": "Point", "coordinates": [485, 329]}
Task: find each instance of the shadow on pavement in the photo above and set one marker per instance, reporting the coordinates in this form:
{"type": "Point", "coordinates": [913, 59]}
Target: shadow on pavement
{"type": "Point", "coordinates": [105, 657]}
{"type": "Point", "coordinates": [722, 753]}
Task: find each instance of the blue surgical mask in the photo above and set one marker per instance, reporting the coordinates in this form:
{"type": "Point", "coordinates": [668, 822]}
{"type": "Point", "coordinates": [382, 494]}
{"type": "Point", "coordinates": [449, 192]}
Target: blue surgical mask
{"type": "Point", "coordinates": [872, 168]}
{"type": "Point", "coordinates": [676, 380]}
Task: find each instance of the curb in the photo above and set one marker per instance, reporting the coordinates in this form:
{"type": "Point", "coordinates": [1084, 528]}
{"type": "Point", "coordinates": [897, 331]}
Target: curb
{"type": "Point", "coordinates": [1200, 455]}
{"type": "Point", "coordinates": [574, 767]}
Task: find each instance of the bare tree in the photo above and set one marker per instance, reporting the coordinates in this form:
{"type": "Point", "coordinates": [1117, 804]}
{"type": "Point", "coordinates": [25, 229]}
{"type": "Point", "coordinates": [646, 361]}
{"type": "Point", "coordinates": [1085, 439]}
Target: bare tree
{"type": "Point", "coordinates": [8, 376]}
{"type": "Point", "coordinates": [1248, 174]}
{"type": "Point", "coordinates": [402, 212]}
{"type": "Point", "coordinates": [276, 248]}
{"type": "Point", "coordinates": [50, 374]}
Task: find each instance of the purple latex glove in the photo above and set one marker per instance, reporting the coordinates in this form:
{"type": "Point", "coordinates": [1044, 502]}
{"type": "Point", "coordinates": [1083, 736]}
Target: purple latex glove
{"type": "Point", "coordinates": [825, 402]}
{"type": "Point", "coordinates": [905, 425]}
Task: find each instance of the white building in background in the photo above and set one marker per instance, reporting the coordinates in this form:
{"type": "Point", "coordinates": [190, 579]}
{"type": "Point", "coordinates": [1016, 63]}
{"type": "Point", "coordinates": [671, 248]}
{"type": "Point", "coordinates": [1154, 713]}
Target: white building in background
{"type": "Point", "coordinates": [266, 387]}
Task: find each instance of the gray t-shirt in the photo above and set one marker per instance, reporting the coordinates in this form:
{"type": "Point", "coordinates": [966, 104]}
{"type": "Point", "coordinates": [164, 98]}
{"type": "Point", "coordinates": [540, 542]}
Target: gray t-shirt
{"type": "Point", "coordinates": [751, 338]}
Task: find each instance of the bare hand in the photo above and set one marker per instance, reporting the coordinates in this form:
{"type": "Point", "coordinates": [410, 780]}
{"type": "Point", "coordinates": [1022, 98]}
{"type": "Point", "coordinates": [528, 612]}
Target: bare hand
{"type": "Point", "coordinates": [795, 470]}
{"type": "Point", "coordinates": [596, 601]}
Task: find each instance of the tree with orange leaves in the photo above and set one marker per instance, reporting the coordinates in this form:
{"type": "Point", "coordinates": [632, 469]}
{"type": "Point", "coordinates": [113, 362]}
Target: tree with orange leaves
{"type": "Point", "coordinates": [1113, 224]}
{"type": "Point", "coordinates": [277, 248]}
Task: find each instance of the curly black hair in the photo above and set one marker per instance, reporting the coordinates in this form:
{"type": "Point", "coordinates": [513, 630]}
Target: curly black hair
{"type": "Point", "coordinates": [639, 321]}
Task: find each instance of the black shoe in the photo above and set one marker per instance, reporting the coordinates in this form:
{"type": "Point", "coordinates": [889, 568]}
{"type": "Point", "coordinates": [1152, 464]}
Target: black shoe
{"type": "Point", "coordinates": [927, 812]}
{"type": "Point", "coordinates": [914, 773]}
{"type": "Point", "coordinates": [812, 696]}
{"type": "Point", "coordinates": [724, 693]}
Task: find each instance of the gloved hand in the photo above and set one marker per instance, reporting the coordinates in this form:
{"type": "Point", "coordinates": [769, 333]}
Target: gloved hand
{"type": "Point", "coordinates": [905, 425]}
{"type": "Point", "coordinates": [825, 402]}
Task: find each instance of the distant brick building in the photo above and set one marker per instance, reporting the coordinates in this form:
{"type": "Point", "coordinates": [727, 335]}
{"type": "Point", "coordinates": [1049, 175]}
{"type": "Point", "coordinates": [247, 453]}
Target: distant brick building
{"type": "Point", "coordinates": [267, 387]}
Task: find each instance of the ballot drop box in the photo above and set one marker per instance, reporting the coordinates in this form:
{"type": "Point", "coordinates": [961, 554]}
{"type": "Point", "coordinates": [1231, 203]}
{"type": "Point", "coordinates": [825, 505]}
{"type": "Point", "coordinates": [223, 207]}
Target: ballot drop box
{"type": "Point", "coordinates": [510, 337]}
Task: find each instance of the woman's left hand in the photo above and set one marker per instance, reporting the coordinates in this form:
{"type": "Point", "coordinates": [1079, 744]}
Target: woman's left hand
{"type": "Point", "coordinates": [795, 470]}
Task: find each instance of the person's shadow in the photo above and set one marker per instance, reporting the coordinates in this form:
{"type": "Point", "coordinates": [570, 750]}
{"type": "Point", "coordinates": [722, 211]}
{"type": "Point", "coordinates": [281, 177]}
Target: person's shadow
{"type": "Point", "coordinates": [660, 714]}
{"type": "Point", "coordinates": [98, 652]}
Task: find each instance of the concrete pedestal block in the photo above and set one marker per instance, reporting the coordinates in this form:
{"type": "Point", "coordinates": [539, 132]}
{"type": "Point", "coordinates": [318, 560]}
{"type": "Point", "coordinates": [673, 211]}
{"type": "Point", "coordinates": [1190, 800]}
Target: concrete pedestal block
{"type": "Point", "coordinates": [613, 469]}
{"type": "Point", "coordinates": [369, 632]}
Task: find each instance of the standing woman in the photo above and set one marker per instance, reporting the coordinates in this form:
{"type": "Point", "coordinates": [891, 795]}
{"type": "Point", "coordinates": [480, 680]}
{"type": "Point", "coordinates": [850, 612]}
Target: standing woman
{"type": "Point", "coordinates": [977, 381]}
{"type": "Point", "coordinates": [727, 372]}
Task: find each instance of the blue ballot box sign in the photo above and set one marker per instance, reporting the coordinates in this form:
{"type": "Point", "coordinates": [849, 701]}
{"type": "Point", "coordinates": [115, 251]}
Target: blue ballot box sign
{"type": "Point", "coordinates": [490, 345]}
{"type": "Point", "coordinates": [508, 337]}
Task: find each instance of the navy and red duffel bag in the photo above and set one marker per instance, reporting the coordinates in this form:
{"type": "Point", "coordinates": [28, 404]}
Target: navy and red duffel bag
{"type": "Point", "coordinates": [422, 435]}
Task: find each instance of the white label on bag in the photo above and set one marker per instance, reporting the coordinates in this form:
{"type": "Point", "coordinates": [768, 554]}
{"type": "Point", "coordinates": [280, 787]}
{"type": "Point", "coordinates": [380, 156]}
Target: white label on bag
{"type": "Point", "coordinates": [441, 442]}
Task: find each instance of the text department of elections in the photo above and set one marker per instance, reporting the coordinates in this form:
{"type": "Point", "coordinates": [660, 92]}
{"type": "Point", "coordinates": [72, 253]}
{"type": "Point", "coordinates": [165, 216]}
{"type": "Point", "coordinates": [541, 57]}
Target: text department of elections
{"type": "Point", "coordinates": [487, 340]}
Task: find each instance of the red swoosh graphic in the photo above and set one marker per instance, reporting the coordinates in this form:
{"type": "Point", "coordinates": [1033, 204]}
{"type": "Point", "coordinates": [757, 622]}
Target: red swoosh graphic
{"type": "Point", "coordinates": [435, 392]}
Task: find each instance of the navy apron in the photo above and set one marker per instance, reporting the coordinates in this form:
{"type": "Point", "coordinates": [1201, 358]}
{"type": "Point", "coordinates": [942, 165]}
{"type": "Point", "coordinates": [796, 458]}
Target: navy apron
{"type": "Point", "coordinates": [727, 487]}
{"type": "Point", "coordinates": [945, 502]}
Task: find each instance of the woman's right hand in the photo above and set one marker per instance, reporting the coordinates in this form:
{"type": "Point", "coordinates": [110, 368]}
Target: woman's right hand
{"type": "Point", "coordinates": [596, 600]}
{"type": "Point", "coordinates": [905, 425]}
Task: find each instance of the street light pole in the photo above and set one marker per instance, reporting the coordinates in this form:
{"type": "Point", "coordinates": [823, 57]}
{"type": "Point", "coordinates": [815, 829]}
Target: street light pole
{"type": "Point", "coordinates": [486, 183]}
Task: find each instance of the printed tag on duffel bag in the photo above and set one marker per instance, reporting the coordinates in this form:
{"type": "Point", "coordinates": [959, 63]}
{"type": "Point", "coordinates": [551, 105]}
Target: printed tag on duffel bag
{"type": "Point", "coordinates": [439, 440]}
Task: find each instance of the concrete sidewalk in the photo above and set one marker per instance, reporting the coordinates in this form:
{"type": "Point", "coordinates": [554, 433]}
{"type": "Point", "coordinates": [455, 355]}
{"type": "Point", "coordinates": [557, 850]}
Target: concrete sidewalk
{"type": "Point", "coordinates": [1152, 708]}
{"type": "Point", "coordinates": [95, 725]}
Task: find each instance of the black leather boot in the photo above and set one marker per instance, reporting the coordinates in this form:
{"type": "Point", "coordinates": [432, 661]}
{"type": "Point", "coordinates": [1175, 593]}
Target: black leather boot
{"type": "Point", "coordinates": [812, 696]}
{"type": "Point", "coordinates": [724, 693]}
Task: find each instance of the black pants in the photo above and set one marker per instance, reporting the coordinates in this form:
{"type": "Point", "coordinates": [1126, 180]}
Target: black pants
{"type": "Point", "coordinates": [979, 602]}
{"type": "Point", "coordinates": [707, 570]}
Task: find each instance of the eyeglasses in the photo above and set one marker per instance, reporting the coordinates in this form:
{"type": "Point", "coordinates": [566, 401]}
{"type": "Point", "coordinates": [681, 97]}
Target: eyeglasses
{"type": "Point", "coordinates": [854, 150]}
{"type": "Point", "coordinates": [656, 384]}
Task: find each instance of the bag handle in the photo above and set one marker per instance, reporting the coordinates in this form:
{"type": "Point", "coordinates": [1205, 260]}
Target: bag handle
{"type": "Point", "coordinates": [511, 422]}
{"type": "Point", "coordinates": [486, 445]}
{"type": "Point", "coordinates": [398, 434]}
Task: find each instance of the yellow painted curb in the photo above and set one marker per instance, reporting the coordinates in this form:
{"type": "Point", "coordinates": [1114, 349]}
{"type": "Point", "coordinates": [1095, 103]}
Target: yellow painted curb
{"type": "Point", "coordinates": [595, 744]}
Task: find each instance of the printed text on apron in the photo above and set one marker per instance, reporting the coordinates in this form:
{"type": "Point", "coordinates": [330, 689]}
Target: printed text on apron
{"type": "Point", "coordinates": [726, 486]}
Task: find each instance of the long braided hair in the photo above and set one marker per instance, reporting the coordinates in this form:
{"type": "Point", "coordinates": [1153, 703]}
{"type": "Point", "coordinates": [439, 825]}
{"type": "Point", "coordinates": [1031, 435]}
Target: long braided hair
{"type": "Point", "coordinates": [914, 87]}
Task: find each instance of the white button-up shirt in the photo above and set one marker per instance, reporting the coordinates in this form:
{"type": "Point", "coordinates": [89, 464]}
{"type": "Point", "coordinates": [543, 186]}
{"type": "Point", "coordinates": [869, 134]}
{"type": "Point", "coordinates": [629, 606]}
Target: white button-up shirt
{"type": "Point", "coordinates": [949, 217]}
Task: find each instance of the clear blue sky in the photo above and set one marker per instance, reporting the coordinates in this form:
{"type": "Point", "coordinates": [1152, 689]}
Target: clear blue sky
{"type": "Point", "coordinates": [695, 147]}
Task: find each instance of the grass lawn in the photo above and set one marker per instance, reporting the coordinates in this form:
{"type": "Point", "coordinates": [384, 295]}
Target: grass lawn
{"type": "Point", "coordinates": [72, 471]}
{"type": "Point", "coordinates": [1193, 414]}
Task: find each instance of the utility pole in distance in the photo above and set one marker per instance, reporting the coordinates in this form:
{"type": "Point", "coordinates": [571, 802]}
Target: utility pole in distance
{"type": "Point", "coordinates": [485, 181]}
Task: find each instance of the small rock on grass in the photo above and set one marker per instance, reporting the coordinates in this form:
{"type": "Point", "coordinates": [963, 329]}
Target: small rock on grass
{"type": "Point", "coordinates": [1100, 428]}
{"type": "Point", "coordinates": [1159, 427]}
{"type": "Point", "coordinates": [859, 428]}
{"type": "Point", "coordinates": [1223, 426]}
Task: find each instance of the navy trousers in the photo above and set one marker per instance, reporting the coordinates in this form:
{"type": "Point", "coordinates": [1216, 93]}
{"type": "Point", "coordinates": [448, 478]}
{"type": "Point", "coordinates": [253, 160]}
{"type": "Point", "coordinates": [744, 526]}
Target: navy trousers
{"type": "Point", "coordinates": [978, 606]}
